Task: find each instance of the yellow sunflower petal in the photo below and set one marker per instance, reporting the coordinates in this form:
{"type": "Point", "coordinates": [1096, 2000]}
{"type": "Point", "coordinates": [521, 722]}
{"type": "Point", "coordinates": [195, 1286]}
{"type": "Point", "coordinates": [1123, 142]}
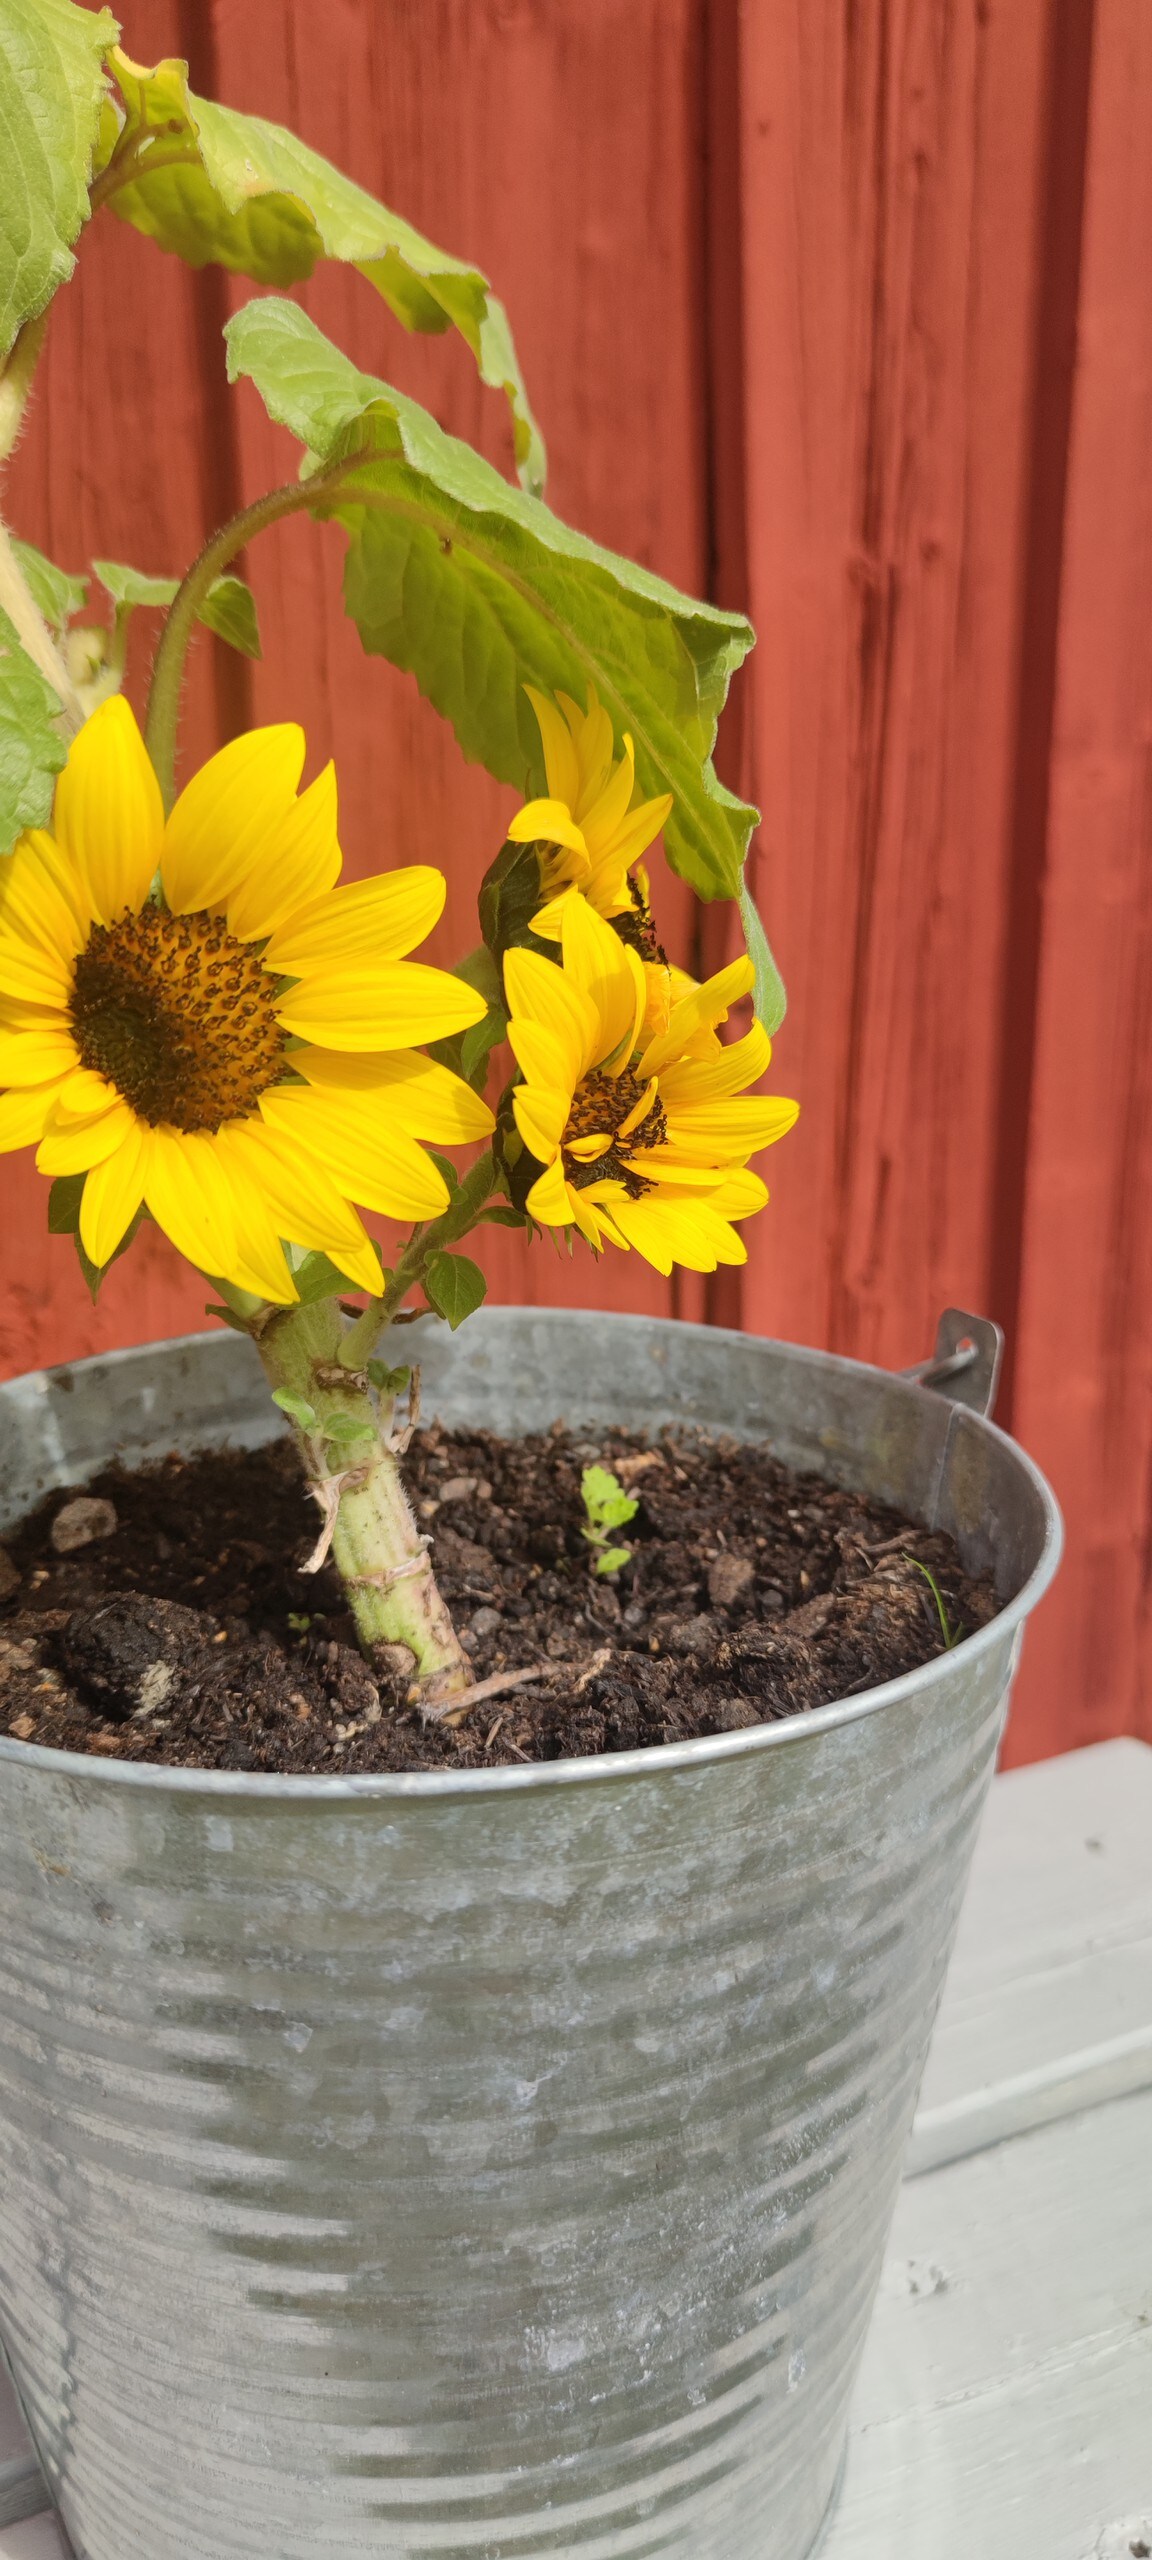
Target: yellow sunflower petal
{"type": "Point", "coordinates": [739, 1195]}
{"type": "Point", "coordinates": [640, 829]}
{"type": "Point", "coordinates": [230, 817]}
{"type": "Point", "coordinates": [541, 1116]}
{"type": "Point", "coordinates": [392, 1005]}
{"type": "Point", "coordinates": [549, 922]}
{"type": "Point", "coordinates": [698, 1010]}
{"type": "Point", "coordinates": [610, 974]}
{"type": "Point", "coordinates": [24, 1115]}
{"type": "Point", "coordinates": [421, 1096]}
{"type": "Point", "coordinates": [34, 974]}
{"type": "Point", "coordinates": [189, 1196]}
{"type": "Point", "coordinates": [108, 815]}
{"type": "Point", "coordinates": [540, 992]}
{"type": "Point", "coordinates": [380, 1167]}
{"type": "Point", "coordinates": [73, 1146]}
{"type": "Point", "coordinates": [647, 1233]}
{"type": "Point", "coordinates": [43, 900]}
{"type": "Point", "coordinates": [35, 1057]}
{"type": "Point", "coordinates": [595, 746]}
{"type": "Point", "coordinates": [736, 1126]}
{"type": "Point", "coordinates": [692, 1081]}
{"type": "Point", "coordinates": [601, 821]}
{"type": "Point", "coordinates": [366, 921]}
{"type": "Point", "coordinates": [298, 1196]}
{"type": "Point", "coordinates": [544, 1056]}
{"type": "Point", "coordinates": [84, 1094]}
{"type": "Point", "coordinates": [112, 1195]}
{"type": "Point", "coordinates": [560, 759]}
{"type": "Point", "coordinates": [258, 1261]}
{"type": "Point", "coordinates": [547, 822]}
{"type": "Point", "coordinates": [550, 1200]}
{"type": "Point", "coordinates": [296, 870]}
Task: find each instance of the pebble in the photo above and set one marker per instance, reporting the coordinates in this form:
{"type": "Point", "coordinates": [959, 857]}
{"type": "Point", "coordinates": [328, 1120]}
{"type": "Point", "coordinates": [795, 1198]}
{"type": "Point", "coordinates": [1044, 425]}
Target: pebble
{"type": "Point", "coordinates": [9, 1575]}
{"type": "Point", "coordinates": [81, 1522]}
{"type": "Point", "coordinates": [485, 1622]}
{"type": "Point", "coordinates": [693, 1635]}
{"type": "Point", "coordinates": [458, 1489]}
{"type": "Point", "coordinates": [730, 1579]}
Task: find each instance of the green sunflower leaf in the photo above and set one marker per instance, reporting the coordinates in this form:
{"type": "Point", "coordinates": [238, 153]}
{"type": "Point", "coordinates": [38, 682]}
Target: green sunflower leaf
{"type": "Point", "coordinates": [51, 92]}
{"type": "Point", "coordinates": [229, 608]}
{"type": "Point", "coordinates": [297, 1408]}
{"type": "Point", "coordinates": [64, 1197]}
{"type": "Point", "coordinates": [32, 746]}
{"type": "Point", "coordinates": [216, 186]}
{"type": "Point", "coordinates": [478, 1043]}
{"type": "Point", "coordinates": [57, 592]}
{"type": "Point", "coordinates": [476, 588]}
{"type": "Point", "coordinates": [455, 1286]}
{"type": "Point", "coordinates": [768, 992]}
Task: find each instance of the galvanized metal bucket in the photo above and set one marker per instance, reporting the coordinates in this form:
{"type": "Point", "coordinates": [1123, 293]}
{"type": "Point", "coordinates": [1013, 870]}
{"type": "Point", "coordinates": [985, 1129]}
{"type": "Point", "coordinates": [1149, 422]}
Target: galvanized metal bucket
{"type": "Point", "coordinates": [490, 2166]}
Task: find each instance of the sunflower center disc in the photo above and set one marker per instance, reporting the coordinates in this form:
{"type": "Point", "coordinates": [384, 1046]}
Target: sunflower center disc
{"type": "Point", "coordinates": [179, 1016]}
{"type": "Point", "coordinates": [601, 1103]}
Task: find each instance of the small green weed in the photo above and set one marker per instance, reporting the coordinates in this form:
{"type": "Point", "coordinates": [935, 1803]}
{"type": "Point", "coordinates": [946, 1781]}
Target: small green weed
{"type": "Point", "coordinates": [607, 1507]}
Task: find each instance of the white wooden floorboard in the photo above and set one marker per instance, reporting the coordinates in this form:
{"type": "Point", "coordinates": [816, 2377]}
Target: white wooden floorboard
{"type": "Point", "coordinates": [1005, 2405]}
{"type": "Point", "coordinates": [1004, 2410]}
{"type": "Point", "coordinates": [1049, 1997]}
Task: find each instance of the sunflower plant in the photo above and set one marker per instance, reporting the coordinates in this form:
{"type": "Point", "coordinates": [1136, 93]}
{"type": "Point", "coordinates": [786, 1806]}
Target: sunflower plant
{"type": "Point", "coordinates": [201, 1023]}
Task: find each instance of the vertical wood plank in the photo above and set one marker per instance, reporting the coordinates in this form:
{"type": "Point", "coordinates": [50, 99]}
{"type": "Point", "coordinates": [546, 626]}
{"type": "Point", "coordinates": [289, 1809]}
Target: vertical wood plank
{"type": "Point", "coordinates": [558, 146]}
{"type": "Point", "coordinates": [1084, 1376]}
{"type": "Point", "coordinates": [892, 158]}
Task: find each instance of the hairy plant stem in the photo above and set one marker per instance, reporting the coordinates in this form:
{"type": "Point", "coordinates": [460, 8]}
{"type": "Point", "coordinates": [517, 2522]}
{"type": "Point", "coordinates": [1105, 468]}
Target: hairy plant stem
{"type": "Point", "coordinates": [464, 1208]}
{"type": "Point", "coordinates": [162, 721]}
{"type": "Point", "coordinates": [16, 380]}
{"type": "Point", "coordinates": [320, 1359]}
{"type": "Point", "coordinates": [382, 1560]}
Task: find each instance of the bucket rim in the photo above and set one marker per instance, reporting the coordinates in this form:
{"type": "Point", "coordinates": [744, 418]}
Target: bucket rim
{"type": "Point", "coordinates": [594, 1768]}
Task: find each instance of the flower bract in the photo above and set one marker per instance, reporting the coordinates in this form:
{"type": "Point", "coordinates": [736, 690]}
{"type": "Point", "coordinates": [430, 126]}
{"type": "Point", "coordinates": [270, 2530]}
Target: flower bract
{"type": "Point", "coordinates": [195, 1017]}
{"type": "Point", "coordinates": [643, 1137]}
{"type": "Point", "coordinates": [589, 833]}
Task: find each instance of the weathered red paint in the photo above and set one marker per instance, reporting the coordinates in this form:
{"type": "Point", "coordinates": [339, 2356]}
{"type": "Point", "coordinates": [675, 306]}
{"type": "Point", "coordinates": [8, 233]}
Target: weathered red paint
{"type": "Point", "coordinates": [838, 314]}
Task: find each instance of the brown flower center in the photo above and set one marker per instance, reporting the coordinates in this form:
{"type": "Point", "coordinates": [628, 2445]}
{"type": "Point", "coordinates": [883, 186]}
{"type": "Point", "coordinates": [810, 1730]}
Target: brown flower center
{"type": "Point", "coordinates": [612, 1108]}
{"type": "Point", "coordinates": [638, 927]}
{"type": "Point", "coordinates": [179, 1016]}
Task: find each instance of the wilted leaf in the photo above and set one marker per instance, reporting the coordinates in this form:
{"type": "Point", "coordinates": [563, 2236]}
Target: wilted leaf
{"type": "Point", "coordinates": [229, 608]}
{"type": "Point", "coordinates": [56, 591]}
{"type": "Point", "coordinates": [476, 588]}
{"type": "Point", "coordinates": [217, 186]}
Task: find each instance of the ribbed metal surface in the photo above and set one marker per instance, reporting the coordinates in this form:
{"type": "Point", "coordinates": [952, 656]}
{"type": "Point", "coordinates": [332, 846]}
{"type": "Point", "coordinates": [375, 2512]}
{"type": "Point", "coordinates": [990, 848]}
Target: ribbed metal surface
{"type": "Point", "coordinates": [496, 2165]}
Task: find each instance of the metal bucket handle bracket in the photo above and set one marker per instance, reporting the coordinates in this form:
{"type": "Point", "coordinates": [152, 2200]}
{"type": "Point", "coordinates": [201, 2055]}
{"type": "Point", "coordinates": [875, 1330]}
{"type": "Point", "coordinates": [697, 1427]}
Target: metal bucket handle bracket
{"type": "Point", "coordinates": [965, 1366]}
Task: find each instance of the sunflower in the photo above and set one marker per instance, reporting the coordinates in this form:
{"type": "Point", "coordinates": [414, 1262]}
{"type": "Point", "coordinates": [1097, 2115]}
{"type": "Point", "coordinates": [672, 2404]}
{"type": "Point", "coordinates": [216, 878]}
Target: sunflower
{"type": "Point", "coordinates": [195, 1018]}
{"type": "Point", "coordinates": [588, 834]}
{"type": "Point", "coordinates": [643, 1139]}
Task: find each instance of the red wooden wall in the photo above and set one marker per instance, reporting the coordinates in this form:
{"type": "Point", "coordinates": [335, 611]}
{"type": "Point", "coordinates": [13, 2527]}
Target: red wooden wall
{"type": "Point", "coordinates": [838, 310]}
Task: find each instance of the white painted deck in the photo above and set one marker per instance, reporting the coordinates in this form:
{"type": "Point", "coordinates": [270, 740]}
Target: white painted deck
{"type": "Point", "coordinates": [1004, 2410]}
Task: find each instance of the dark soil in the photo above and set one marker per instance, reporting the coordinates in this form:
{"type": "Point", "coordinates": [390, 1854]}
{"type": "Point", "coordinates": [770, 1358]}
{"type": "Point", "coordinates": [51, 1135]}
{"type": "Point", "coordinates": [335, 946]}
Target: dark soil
{"type": "Point", "coordinates": [184, 1632]}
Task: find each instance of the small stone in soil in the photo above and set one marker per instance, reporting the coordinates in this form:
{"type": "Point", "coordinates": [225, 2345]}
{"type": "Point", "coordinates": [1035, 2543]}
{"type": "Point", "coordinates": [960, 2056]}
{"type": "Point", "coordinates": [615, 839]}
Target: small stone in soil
{"type": "Point", "coordinates": [81, 1522]}
{"type": "Point", "coordinates": [730, 1579]}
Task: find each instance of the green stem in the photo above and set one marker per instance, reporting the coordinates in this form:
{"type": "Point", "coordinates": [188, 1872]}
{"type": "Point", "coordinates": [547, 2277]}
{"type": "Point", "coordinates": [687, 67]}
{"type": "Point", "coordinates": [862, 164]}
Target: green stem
{"type": "Point", "coordinates": [383, 1563]}
{"type": "Point", "coordinates": [454, 1223]}
{"type": "Point", "coordinates": [16, 380]}
{"type": "Point", "coordinates": [168, 672]}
